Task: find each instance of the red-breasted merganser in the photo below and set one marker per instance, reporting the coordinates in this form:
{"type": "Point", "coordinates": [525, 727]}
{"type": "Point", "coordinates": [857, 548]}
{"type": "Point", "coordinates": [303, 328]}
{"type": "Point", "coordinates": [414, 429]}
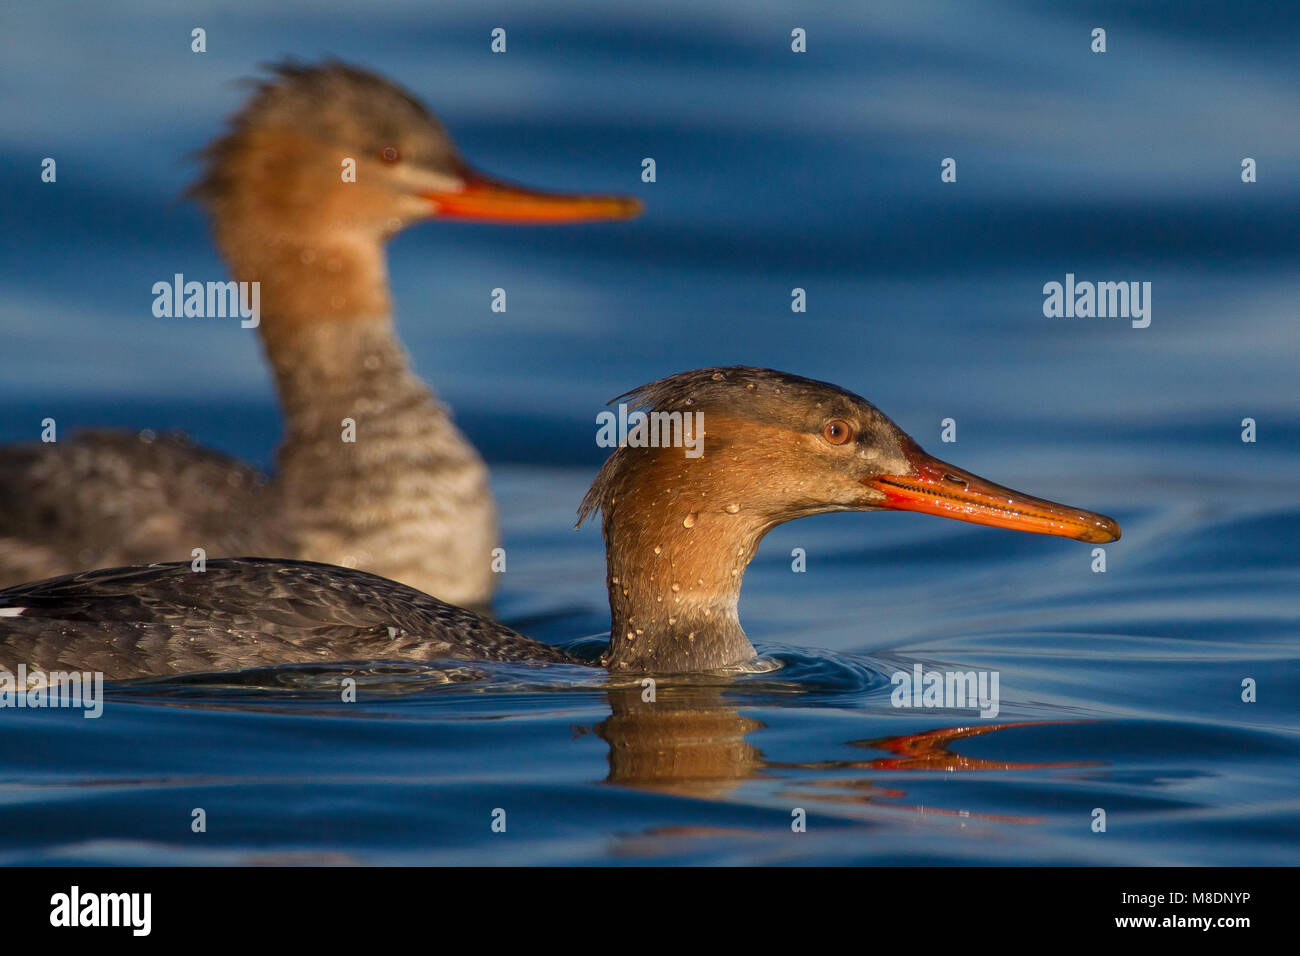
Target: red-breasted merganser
{"type": "Point", "coordinates": [409, 499]}
{"type": "Point", "coordinates": [679, 532]}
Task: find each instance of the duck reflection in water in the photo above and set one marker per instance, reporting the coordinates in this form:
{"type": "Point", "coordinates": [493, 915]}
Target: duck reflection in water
{"type": "Point", "coordinates": [692, 740]}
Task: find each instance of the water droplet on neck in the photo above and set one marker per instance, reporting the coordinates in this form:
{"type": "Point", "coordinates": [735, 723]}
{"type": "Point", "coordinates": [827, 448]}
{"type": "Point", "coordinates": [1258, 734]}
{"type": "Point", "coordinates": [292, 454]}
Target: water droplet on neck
{"type": "Point", "coordinates": [689, 520]}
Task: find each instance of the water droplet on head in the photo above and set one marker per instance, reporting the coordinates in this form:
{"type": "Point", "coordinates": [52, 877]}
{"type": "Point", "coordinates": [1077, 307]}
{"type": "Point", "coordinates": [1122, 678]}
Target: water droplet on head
{"type": "Point", "coordinates": [689, 520]}
{"type": "Point", "coordinates": [732, 509]}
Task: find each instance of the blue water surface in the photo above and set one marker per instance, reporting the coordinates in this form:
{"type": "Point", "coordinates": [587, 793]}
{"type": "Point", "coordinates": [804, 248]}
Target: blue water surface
{"type": "Point", "coordinates": [1120, 691]}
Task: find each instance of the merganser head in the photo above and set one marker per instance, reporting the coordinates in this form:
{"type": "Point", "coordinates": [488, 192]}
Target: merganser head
{"type": "Point", "coordinates": [320, 167]}
{"type": "Point", "coordinates": [330, 148]}
{"type": "Point", "coordinates": [680, 530]}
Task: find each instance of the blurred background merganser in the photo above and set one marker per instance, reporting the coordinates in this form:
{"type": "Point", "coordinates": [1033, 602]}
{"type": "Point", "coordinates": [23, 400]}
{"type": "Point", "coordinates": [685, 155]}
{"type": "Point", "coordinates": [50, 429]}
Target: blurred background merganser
{"type": "Point", "coordinates": [409, 499]}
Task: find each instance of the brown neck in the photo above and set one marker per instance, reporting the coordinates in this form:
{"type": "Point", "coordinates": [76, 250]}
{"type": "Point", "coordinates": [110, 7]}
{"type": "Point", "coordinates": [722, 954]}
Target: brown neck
{"type": "Point", "coordinates": [281, 217]}
{"type": "Point", "coordinates": [373, 472]}
{"type": "Point", "coordinates": [328, 333]}
{"type": "Point", "coordinates": [304, 282]}
{"type": "Point", "coordinates": [677, 546]}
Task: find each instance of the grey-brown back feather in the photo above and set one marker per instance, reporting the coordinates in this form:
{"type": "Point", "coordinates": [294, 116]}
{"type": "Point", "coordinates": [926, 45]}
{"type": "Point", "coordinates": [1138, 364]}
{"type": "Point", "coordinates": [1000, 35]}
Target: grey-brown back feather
{"type": "Point", "coordinates": [240, 612]}
{"type": "Point", "coordinates": [105, 498]}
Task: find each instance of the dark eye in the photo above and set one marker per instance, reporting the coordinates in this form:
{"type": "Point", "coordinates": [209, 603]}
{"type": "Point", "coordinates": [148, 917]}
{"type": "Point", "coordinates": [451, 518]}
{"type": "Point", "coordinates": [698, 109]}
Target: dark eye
{"type": "Point", "coordinates": [389, 154]}
{"type": "Point", "coordinates": [837, 431]}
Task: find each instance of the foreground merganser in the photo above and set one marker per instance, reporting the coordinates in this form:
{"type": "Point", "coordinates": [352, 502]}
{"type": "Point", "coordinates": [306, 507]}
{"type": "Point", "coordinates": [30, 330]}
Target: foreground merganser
{"type": "Point", "coordinates": [409, 499]}
{"type": "Point", "coordinates": [679, 532]}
